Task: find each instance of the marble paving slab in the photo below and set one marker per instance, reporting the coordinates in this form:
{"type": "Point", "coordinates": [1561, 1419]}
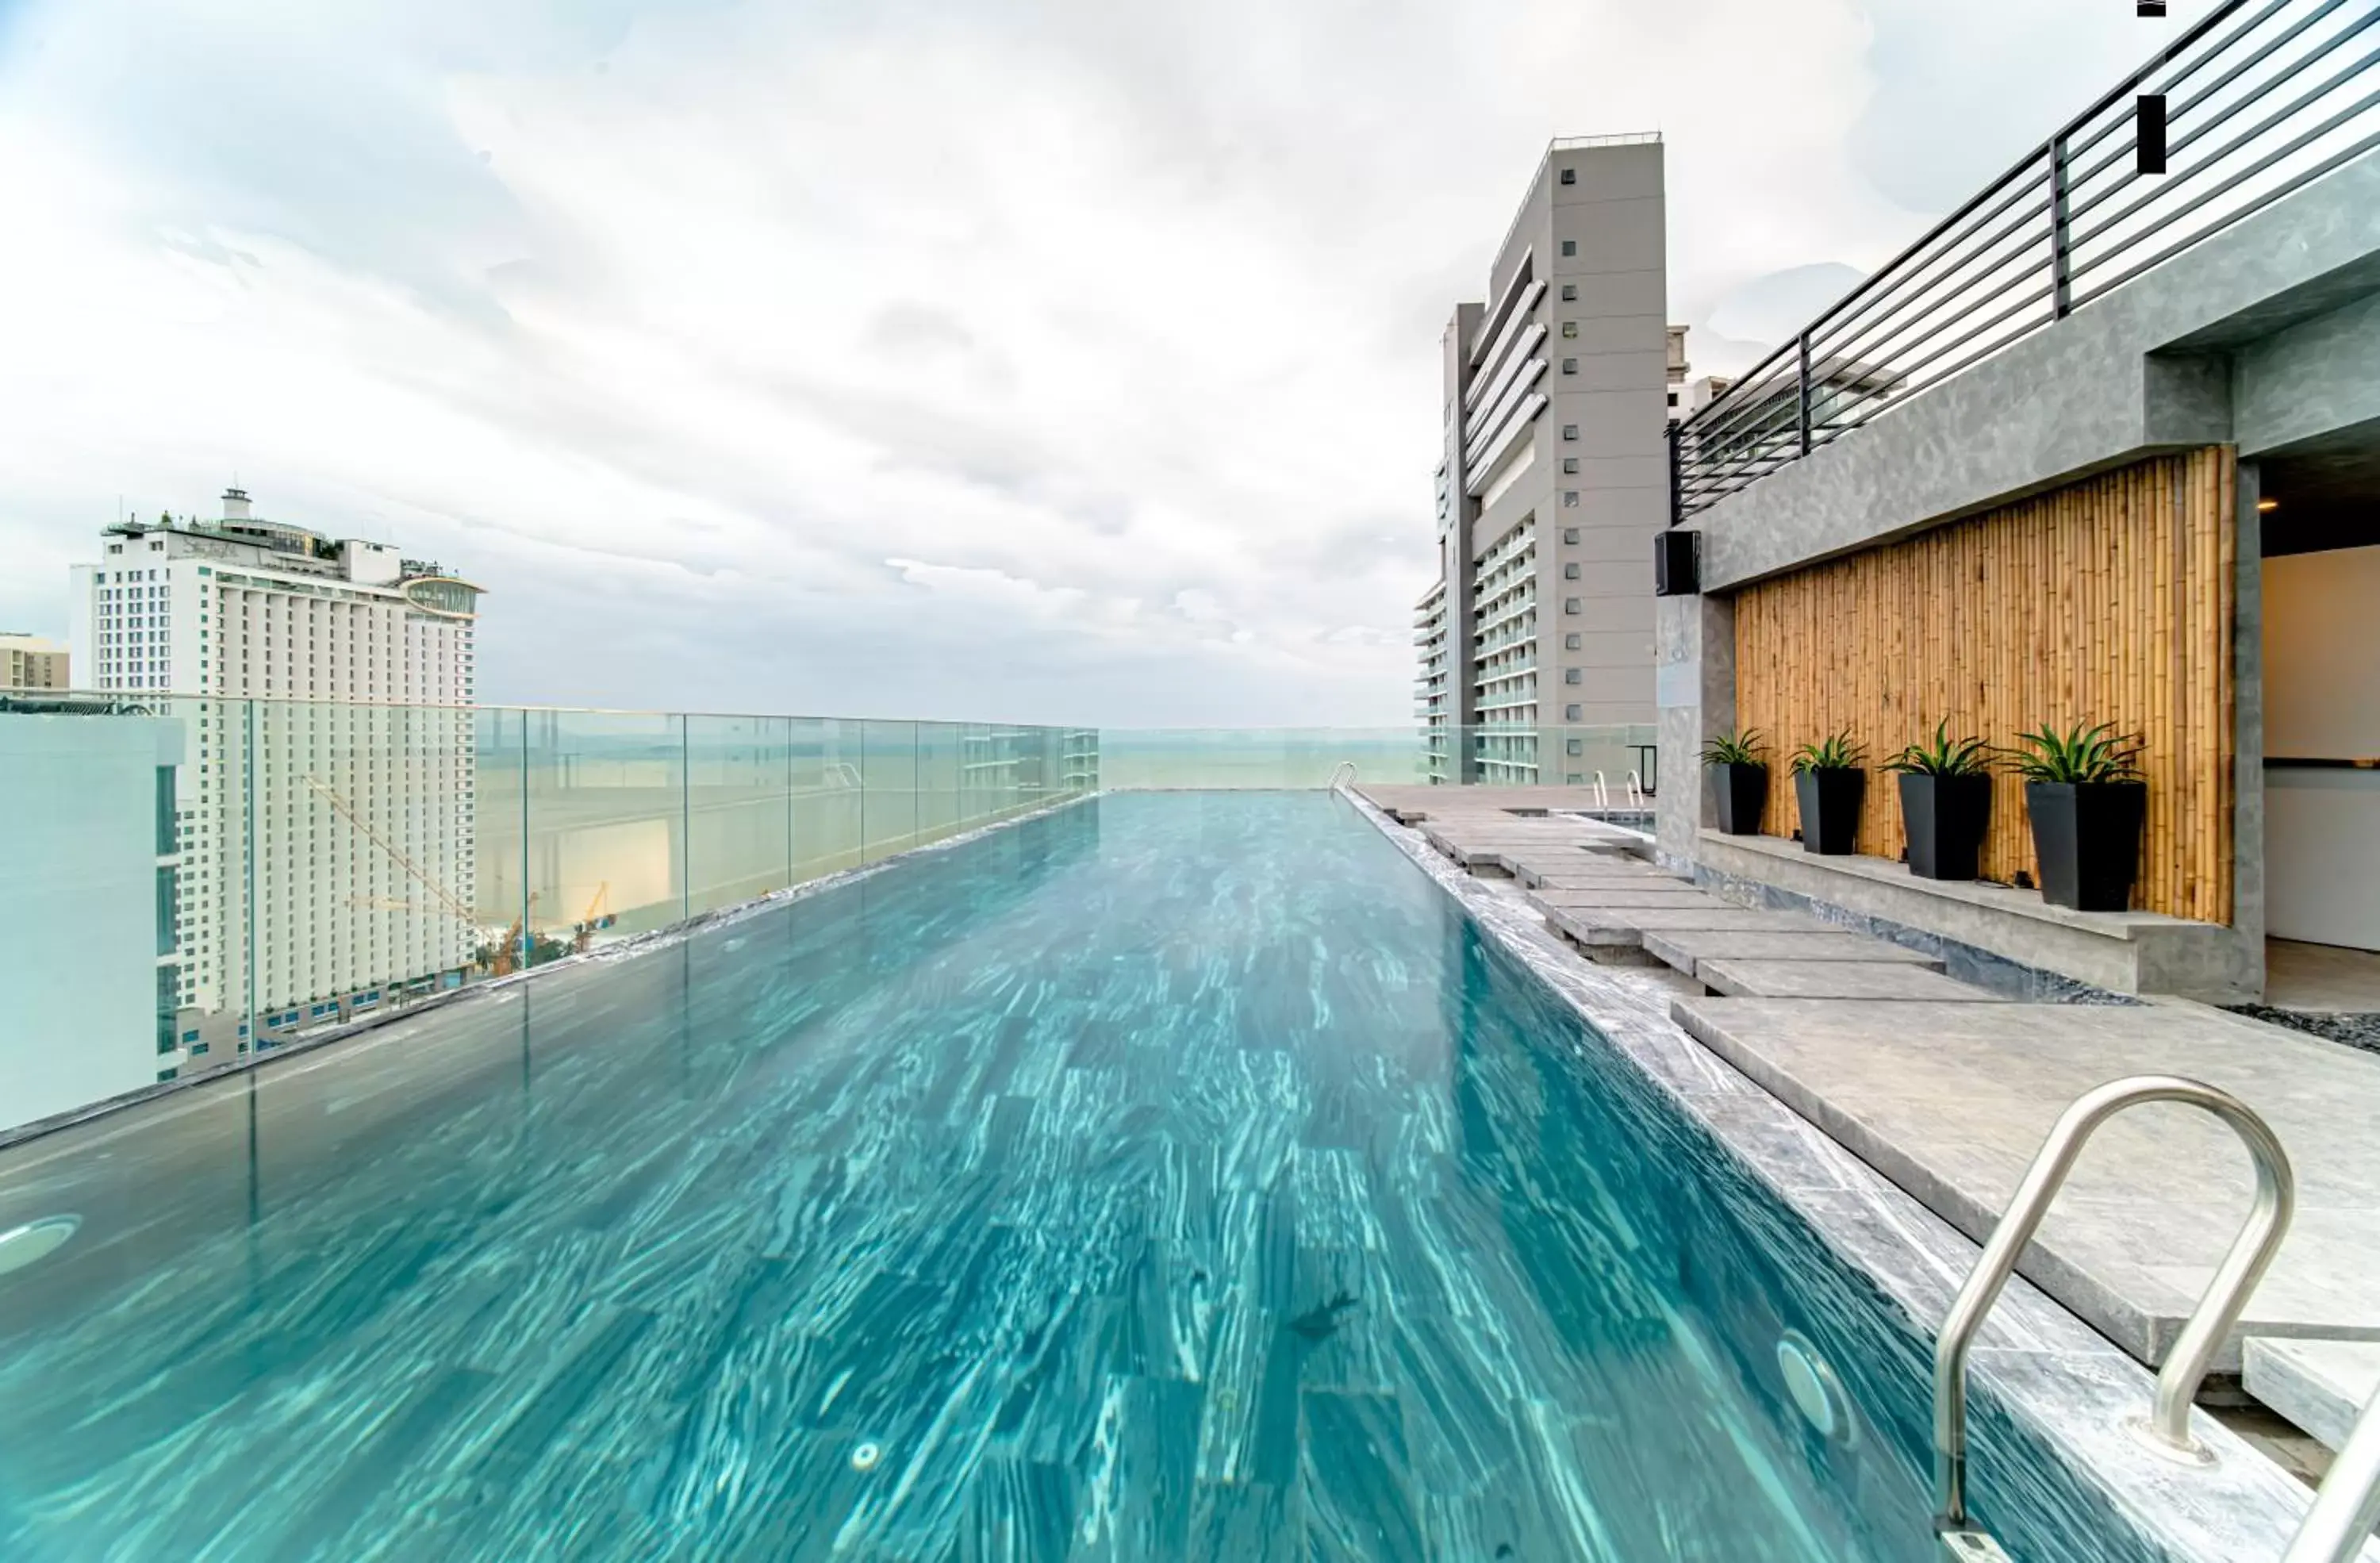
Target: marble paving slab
{"type": "Point", "coordinates": [2322, 1386]}
{"type": "Point", "coordinates": [1598, 876]}
{"type": "Point", "coordinates": [1951, 1101]}
{"type": "Point", "coordinates": [1628, 926]}
{"type": "Point", "coordinates": [1639, 897]}
{"type": "Point", "coordinates": [1686, 948]}
{"type": "Point", "coordinates": [1804, 978]}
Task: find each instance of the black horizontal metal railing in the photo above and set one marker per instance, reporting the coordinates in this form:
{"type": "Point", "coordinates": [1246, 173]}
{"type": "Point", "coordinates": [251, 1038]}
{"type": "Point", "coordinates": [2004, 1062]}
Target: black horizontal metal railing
{"type": "Point", "coordinates": [2262, 96]}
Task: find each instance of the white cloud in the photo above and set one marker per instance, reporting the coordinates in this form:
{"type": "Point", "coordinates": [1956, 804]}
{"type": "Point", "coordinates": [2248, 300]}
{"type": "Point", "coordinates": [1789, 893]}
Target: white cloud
{"type": "Point", "coordinates": [915, 358]}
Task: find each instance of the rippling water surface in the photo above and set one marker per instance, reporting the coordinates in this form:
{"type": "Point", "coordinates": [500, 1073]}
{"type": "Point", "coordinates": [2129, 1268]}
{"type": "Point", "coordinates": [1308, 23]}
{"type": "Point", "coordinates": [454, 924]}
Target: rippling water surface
{"type": "Point", "coordinates": [1175, 1177]}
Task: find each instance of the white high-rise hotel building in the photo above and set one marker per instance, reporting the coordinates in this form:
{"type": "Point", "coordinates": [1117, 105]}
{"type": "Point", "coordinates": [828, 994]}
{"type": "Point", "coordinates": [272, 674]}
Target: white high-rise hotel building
{"type": "Point", "coordinates": [324, 806]}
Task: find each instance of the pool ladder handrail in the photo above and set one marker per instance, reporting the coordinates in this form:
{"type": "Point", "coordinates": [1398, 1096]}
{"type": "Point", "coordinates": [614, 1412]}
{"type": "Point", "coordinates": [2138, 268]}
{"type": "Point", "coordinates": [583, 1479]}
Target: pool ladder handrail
{"type": "Point", "coordinates": [2347, 1506]}
{"type": "Point", "coordinates": [1635, 792]}
{"type": "Point", "coordinates": [1602, 797]}
{"type": "Point", "coordinates": [1346, 765]}
{"type": "Point", "coordinates": [2167, 1430]}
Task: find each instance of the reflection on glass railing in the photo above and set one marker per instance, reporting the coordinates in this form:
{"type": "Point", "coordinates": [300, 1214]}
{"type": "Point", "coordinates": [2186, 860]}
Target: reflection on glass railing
{"type": "Point", "coordinates": [190, 880]}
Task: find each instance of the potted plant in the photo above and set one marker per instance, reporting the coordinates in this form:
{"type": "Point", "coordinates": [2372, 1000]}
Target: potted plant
{"type": "Point", "coordinates": [1945, 803]}
{"type": "Point", "coordinates": [1741, 777]}
{"type": "Point", "coordinates": [1828, 786]}
{"type": "Point", "coordinates": [2087, 802]}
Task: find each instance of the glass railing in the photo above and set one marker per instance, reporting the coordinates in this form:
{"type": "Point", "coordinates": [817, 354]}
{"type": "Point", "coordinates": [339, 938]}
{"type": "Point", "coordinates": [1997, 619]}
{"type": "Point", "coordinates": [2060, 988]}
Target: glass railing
{"type": "Point", "coordinates": [185, 882]}
{"type": "Point", "coordinates": [1212, 757]}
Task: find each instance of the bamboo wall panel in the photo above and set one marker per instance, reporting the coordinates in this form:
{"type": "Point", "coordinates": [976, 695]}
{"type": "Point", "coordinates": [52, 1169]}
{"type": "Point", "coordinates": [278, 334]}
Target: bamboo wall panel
{"type": "Point", "coordinates": [2107, 600]}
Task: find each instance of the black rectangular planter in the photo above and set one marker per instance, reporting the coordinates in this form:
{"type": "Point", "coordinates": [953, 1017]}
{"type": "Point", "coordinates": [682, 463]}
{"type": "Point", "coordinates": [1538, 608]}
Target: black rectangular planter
{"type": "Point", "coordinates": [1830, 801]}
{"type": "Point", "coordinates": [2087, 838]}
{"type": "Point", "coordinates": [1743, 797]}
{"type": "Point", "coordinates": [1945, 817]}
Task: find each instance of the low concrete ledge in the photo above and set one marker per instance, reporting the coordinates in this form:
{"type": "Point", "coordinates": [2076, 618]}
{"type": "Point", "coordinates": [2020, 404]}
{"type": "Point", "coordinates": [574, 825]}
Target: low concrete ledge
{"type": "Point", "coordinates": [2132, 953]}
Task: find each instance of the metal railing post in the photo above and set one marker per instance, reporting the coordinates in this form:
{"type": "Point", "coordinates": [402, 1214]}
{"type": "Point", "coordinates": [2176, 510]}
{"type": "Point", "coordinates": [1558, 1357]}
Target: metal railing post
{"type": "Point", "coordinates": [2061, 259]}
{"type": "Point", "coordinates": [2168, 1427]}
{"type": "Point", "coordinates": [1805, 393]}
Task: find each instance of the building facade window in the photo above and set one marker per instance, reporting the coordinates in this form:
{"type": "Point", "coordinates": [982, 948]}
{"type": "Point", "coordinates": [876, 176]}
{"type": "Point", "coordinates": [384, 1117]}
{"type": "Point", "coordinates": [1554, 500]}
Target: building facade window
{"type": "Point", "coordinates": [1570, 327]}
{"type": "Point", "coordinates": [1572, 675]}
{"type": "Point", "coordinates": [1572, 641]}
{"type": "Point", "coordinates": [1570, 605]}
{"type": "Point", "coordinates": [1569, 572]}
{"type": "Point", "coordinates": [1570, 430]}
{"type": "Point", "coordinates": [1570, 293]}
{"type": "Point", "coordinates": [1570, 499]}
{"type": "Point", "coordinates": [1569, 465]}
{"type": "Point", "coordinates": [1570, 176]}
{"type": "Point", "coordinates": [1570, 366]}
{"type": "Point", "coordinates": [1570, 246]}
{"type": "Point", "coordinates": [1570, 534]}
{"type": "Point", "coordinates": [1573, 713]}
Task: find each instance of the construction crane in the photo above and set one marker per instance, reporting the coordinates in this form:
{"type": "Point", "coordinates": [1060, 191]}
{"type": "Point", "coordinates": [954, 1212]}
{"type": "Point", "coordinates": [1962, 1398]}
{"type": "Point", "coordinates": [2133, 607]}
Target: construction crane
{"type": "Point", "coordinates": [595, 918]}
{"type": "Point", "coordinates": [412, 870]}
{"type": "Point", "coordinates": [505, 957]}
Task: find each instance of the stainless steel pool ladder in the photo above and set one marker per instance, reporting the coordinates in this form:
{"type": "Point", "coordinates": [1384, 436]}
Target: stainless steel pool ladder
{"type": "Point", "coordinates": [1348, 766]}
{"type": "Point", "coordinates": [2167, 1429]}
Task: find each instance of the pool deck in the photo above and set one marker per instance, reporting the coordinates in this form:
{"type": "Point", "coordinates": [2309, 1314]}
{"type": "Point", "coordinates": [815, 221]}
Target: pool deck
{"type": "Point", "coordinates": [2041, 1359]}
{"type": "Point", "coordinates": [1951, 1101]}
{"type": "Point", "coordinates": [1947, 1091]}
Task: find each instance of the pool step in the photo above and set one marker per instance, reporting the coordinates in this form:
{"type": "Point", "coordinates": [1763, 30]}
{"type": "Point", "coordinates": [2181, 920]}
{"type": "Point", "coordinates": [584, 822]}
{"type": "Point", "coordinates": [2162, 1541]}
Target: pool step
{"type": "Point", "coordinates": [1625, 927]}
{"type": "Point", "coordinates": [2318, 1385]}
{"type": "Point", "coordinates": [1686, 948]}
{"type": "Point", "coordinates": [1743, 978]}
{"type": "Point", "coordinates": [1618, 893]}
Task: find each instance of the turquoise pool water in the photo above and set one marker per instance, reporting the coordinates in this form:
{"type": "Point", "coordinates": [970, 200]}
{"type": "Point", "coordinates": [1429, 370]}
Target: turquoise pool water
{"type": "Point", "coordinates": [1173, 1177]}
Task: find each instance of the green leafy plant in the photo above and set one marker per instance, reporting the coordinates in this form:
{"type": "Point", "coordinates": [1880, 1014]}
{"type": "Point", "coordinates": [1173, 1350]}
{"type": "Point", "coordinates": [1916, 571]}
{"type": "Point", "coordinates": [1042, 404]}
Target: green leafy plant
{"type": "Point", "coordinates": [1943, 755]}
{"type": "Point", "coordinates": [1735, 748]}
{"type": "Point", "coordinates": [2081, 754]}
{"type": "Point", "coordinates": [1835, 752]}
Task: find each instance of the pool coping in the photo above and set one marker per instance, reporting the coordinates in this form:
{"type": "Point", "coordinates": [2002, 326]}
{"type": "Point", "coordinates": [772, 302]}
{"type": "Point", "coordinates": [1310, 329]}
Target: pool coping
{"type": "Point", "coordinates": [2051, 1371]}
{"type": "Point", "coordinates": [626, 948]}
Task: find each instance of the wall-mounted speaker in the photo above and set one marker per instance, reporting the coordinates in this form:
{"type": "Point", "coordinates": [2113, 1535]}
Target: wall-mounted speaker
{"type": "Point", "coordinates": [2148, 115]}
{"type": "Point", "coordinates": [1677, 562]}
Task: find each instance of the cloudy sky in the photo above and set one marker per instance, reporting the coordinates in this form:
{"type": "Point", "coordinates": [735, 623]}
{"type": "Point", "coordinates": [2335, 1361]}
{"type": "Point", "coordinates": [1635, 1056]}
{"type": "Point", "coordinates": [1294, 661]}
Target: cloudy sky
{"type": "Point", "coordinates": [1071, 361]}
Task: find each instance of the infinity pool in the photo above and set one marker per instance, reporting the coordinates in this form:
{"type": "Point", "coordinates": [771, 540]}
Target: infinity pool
{"type": "Point", "coordinates": [1179, 1176]}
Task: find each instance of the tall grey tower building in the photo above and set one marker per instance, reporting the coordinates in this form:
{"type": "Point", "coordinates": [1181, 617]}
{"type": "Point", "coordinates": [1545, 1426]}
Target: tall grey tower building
{"type": "Point", "coordinates": [1554, 475]}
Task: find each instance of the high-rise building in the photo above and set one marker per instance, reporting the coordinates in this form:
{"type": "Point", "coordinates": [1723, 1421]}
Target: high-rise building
{"type": "Point", "coordinates": [88, 891]}
{"type": "Point", "coordinates": [326, 807]}
{"type": "Point", "coordinates": [1555, 473]}
{"type": "Point", "coordinates": [1678, 369]}
{"type": "Point", "coordinates": [26, 662]}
